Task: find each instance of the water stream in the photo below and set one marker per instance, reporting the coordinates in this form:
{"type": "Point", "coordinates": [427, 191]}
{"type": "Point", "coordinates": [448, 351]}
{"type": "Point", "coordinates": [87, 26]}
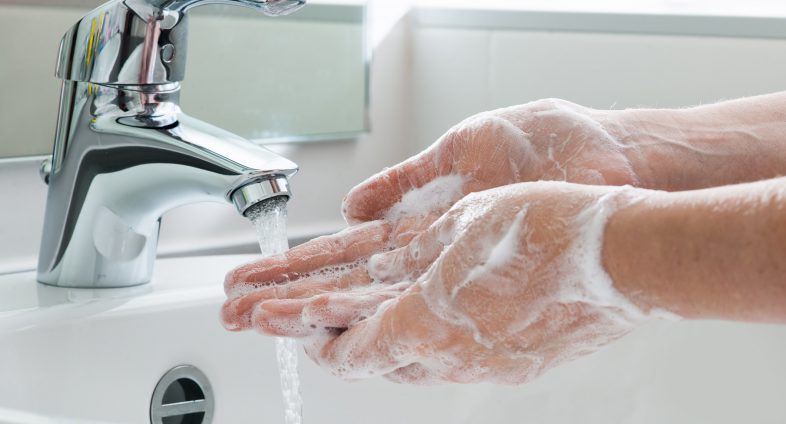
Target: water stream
{"type": "Point", "coordinates": [270, 221]}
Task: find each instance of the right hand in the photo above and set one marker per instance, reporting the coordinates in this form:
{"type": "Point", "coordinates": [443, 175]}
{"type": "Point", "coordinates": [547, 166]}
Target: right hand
{"type": "Point", "coordinates": [515, 285]}
{"type": "Point", "coordinates": [543, 140]}
{"type": "Point", "coordinates": [551, 140]}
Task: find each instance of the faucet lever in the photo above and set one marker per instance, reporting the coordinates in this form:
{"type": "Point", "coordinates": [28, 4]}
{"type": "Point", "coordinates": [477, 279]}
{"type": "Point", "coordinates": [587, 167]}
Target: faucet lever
{"type": "Point", "coordinates": [268, 7]}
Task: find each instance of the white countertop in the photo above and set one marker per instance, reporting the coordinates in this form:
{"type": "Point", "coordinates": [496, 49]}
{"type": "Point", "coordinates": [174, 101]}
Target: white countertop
{"type": "Point", "coordinates": [176, 281]}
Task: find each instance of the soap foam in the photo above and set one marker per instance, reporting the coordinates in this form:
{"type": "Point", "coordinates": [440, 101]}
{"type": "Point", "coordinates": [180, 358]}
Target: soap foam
{"type": "Point", "coordinates": [438, 194]}
{"type": "Point", "coordinates": [589, 282]}
{"type": "Point", "coordinates": [354, 357]}
{"type": "Point", "coordinates": [499, 255]}
{"type": "Point", "coordinates": [326, 273]}
{"type": "Point", "coordinates": [362, 303]}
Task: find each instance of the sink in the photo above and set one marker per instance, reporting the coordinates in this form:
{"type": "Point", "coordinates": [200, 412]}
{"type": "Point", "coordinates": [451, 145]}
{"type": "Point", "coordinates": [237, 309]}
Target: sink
{"type": "Point", "coordinates": [95, 356]}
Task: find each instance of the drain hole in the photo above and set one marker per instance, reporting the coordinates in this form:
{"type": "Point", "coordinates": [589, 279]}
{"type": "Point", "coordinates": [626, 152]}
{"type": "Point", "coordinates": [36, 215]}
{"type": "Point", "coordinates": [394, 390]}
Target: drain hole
{"type": "Point", "coordinates": [195, 418]}
{"type": "Point", "coordinates": [182, 390]}
{"type": "Point", "coordinates": [182, 396]}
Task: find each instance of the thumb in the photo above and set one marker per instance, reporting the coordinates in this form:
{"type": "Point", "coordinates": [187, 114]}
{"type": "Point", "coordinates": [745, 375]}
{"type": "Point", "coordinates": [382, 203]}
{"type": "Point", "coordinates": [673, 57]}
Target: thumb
{"type": "Point", "coordinates": [372, 198]}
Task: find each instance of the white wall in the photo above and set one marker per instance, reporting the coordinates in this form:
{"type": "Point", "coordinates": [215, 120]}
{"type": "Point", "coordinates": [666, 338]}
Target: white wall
{"type": "Point", "coordinates": [265, 77]}
{"type": "Point", "coordinates": [29, 39]}
{"type": "Point", "coordinates": [684, 372]}
{"type": "Point", "coordinates": [460, 72]}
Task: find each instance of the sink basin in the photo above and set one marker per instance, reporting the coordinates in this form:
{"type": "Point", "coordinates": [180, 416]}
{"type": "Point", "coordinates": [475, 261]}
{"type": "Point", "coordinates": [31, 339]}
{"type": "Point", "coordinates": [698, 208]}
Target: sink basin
{"type": "Point", "coordinates": [95, 356]}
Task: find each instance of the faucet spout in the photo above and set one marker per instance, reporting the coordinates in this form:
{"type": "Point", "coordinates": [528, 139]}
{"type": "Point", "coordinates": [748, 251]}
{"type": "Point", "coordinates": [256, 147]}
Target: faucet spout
{"type": "Point", "coordinates": [123, 157]}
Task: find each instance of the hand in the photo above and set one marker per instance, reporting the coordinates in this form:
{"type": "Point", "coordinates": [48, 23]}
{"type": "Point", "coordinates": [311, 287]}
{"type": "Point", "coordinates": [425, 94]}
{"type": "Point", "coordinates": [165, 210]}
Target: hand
{"type": "Point", "coordinates": [514, 286]}
{"type": "Point", "coordinates": [549, 139]}
{"type": "Point", "coordinates": [544, 140]}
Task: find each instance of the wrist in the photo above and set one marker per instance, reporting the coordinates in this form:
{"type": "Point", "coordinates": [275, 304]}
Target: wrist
{"type": "Point", "coordinates": [631, 252]}
{"type": "Point", "coordinates": [599, 280]}
{"type": "Point", "coordinates": [659, 149]}
{"type": "Point", "coordinates": [704, 254]}
{"type": "Point", "coordinates": [700, 147]}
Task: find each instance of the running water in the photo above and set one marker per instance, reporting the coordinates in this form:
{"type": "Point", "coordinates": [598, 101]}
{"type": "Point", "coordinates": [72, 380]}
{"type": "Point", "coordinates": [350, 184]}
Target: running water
{"type": "Point", "coordinates": [270, 221]}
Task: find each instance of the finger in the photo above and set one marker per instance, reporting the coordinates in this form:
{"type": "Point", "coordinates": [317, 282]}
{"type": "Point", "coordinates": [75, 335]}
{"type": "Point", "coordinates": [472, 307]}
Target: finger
{"type": "Point", "coordinates": [343, 310]}
{"type": "Point", "coordinates": [236, 312]}
{"type": "Point", "coordinates": [404, 230]}
{"type": "Point", "coordinates": [280, 318]}
{"type": "Point", "coordinates": [380, 344]}
{"type": "Point", "coordinates": [414, 374]}
{"type": "Point", "coordinates": [345, 247]}
{"type": "Point", "coordinates": [410, 261]}
{"type": "Point", "coordinates": [302, 317]}
{"type": "Point", "coordinates": [373, 197]}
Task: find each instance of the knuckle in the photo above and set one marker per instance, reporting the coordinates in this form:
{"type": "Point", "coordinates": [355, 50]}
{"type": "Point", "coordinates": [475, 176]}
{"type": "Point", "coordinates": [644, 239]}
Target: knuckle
{"type": "Point", "coordinates": [484, 130]}
{"type": "Point", "coordinates": [334, 243]}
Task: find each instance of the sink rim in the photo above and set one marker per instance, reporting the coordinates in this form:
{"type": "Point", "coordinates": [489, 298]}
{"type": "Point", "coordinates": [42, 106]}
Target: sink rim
{"type": "Point", "coordinates": [176, 282]}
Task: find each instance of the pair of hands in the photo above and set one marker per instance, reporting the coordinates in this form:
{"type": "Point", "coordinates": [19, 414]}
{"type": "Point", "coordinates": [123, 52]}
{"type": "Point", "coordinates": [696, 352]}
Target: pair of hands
{"type": "Point", "coordinates": [456, 266]}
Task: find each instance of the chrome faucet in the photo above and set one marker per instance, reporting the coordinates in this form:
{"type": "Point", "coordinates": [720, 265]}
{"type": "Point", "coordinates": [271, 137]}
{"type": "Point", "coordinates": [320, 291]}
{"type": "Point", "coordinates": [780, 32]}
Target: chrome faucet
{"type": "Point", "coordinates": [125, 153]}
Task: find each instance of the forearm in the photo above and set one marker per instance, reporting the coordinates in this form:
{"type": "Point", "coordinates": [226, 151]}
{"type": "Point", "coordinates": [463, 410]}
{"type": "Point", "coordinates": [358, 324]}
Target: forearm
{"type": "Point", "coordinates": [730, 142]}
{"type": "Point", "coordinates": [715, 253]}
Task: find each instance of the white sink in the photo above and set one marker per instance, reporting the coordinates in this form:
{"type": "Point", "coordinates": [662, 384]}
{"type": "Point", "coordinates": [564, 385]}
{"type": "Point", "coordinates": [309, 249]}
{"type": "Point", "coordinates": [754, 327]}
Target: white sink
{"type": "Point", "coordinates": [96, 355]}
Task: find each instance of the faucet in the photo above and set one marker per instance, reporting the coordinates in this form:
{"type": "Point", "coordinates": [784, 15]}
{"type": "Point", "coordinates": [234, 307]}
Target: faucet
{"type": "Point", "coordinates": [125, 153]}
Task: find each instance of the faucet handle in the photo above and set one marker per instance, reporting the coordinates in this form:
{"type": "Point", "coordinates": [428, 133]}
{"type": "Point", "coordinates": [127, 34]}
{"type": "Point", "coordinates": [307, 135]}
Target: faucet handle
{"type": "Point", "coordinates": [268, 7]}
{"type": "Point", "coordinates": [139, 42]}
{"type": "Point", "coordinates": [146, 8]}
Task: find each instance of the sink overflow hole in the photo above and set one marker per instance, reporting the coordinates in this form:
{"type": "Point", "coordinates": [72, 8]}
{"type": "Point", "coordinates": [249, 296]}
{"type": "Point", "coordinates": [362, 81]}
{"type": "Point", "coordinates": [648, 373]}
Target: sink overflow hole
{"type": "Point", "coordinates": [182, 396]}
